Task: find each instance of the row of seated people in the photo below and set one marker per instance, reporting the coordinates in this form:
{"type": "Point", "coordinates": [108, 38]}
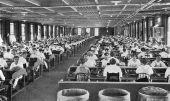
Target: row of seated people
{"type": "Point", "coordinates": [112, 67]}
{"type": "Point", "coordinates": [20, 65]}
{"type": "Point", "coordinates": [106, 52]}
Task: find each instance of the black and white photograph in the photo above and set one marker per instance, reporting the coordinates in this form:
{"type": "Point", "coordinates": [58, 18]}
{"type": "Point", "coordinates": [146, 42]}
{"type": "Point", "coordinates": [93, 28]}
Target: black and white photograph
{"type": "Point", "coordinates": [84, 50]}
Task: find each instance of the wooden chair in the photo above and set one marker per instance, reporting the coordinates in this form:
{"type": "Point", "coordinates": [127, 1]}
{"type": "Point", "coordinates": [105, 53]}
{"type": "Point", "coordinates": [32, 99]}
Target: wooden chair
{"type": "Point", "coordinates": [82, 77]}
{"type": "Point", "coordinates": [143, 77]}
{"type": "Point", "coordinates": [168, 78]}
{"type": "Point", "coordinates": [113, 77]}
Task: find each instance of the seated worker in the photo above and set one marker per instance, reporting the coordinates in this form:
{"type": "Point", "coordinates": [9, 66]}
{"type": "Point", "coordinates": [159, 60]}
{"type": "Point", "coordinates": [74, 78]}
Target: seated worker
{"type": "Point", "coordinates": [135, 48]}
{"type": "Point", "coordinates": [91, 60]}
{"type": "Point", "coordinates": [82, 68]}
{"type": "Point", "coordinates": [148, 54]}
{"type": "Point", "coordinates": [2, 77]}
{"type": "Point", "coordinates": [18, 70]}
{"type": "Point", "coordinates": [106, 60]}
{"type": "Point", "coordinates": [167, 73]}
{"type": "Point", "coordinates": [144, 68]}
{"type": "Point", "coordinates": [125, 53]}
{"type": "Point", "coordinates": [134, 62]}
{"type": "Point", "coordinates": [112, 56]}
{"type": "Point", "coordinates": [3, 63]}
{"type": "Point", "coordinates": [42, 57]}
{"type": "Point", "coordinates": [163, 54]}
{"type": "Point", "coordinates": [34, 54]}
{"type": "Point", "coordinates": [158, 62]}
{"type": "Point", "coordinates": [142, 53]}
{"type": "Point", "coordinates": [8, 55]}
{"type": "Point", "coordinates": [112, 68]}
{"type": "Point", "coordinates": [22, 59]}
{"type": "Point", "coordinates": [58, 47]}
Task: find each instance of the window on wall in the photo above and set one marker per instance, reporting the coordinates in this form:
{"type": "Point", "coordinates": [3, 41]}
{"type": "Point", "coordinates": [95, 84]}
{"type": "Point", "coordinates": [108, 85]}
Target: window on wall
{"type": "Point", "coordinates": [23, 31]}
{"type": "Point", "coordinates": [39, 32]}
{"type": "Point", "coordinates": [45, 30]}
{"type": "Point", "coordinates": [49, 28]}
{"type": "Point", "coordinates": [1, 40]}
{"type": "Point", "coordinates": [32, 35]}
{"type": "Point", "coordinates": [63, 31]}
{"type": "Point", "coordinates": [168, 35]}
{"type": "Point", "coordinates": [57, 31]}
{"type": "Point", "coordinates": [96, 33]}
{"type": "Point", "coordinates": [53, 31]}
{"type": "Point", "coordinates": [88, 31]}
{"type": "Point", "coordinates": [79, 31]}
{"type": "Point", "coordinates": [12, 36]}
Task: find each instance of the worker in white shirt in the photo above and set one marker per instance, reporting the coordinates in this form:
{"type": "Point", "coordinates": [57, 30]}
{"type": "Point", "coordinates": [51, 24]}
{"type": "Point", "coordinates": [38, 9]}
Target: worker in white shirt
{"type": "Point", "coordinates": [134, 62]}
{"type": "Point", "coordinates": [91, 60]}
{"type": "Point", "coordinates": [144, 68]}
{"type": "Point", "coordinates": [67, 46]}
{"type": "Point", "coordinates": [112, 68]}
{"type": "Point", "coordinates": [158, 62]}
{"type": "Point", "coordinates": [8, 55]}
{"type": "Point", "coordinates": [42, 57]}
{"type": "Point", "coordinates": [34, 54]}
{"type": "Point", "coordinates": [22, 59]}
{"type": "Point", "coordinates": [163, 54]}
{"type": "Point", "coordinates": [2, 77]}
{"type": "Point", "coordinates": [18, 69]}
{"type": "Point", "coordinates": [57, 47]}
{"type": "Point", "coordinates": [106, 60]}
{"type": "Point", "coordinates": [3, 63]}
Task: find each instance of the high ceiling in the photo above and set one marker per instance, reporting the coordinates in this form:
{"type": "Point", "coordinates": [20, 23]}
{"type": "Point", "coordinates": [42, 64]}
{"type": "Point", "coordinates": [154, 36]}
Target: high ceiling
{"type": "Point", "coordinates": [82, 13]}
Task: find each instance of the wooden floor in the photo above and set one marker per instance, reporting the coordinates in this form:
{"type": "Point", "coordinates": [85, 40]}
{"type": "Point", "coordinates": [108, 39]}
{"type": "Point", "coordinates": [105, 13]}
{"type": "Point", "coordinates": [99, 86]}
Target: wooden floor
{"type": "Point", "coordinates": [45, 88]}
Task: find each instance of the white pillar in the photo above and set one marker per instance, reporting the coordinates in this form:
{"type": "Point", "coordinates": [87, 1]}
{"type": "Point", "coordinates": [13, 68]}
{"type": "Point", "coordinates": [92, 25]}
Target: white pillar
{"type": "Point", "coordinates": [53, 31]}
{"type": "Point", "coordinates": [12, 36]}
{"type": "Point", "coordinates": [39, 32]}
{"type": "Point", "coordinates": [32, 33]}
{"type": "Point", "coordinates": [79, 31]}
{"type": "Point", "coordinates": [96, 33]}
{"type": "Point", "coordinates": [23, 32]}
{"type": "Point", "coordinates": [168, 34]}
{"type": "Point", "coordinates": [45, 30]}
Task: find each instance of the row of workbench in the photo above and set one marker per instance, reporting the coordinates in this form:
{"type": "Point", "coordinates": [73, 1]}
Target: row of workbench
{"type": "Point", "coordinates": [6, 87]}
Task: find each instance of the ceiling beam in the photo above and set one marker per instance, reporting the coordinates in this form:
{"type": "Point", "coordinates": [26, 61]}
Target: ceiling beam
{"type": "Point", "coordinates": [34, 2]}
{"type": "Point", "coordinates": [96, 1]}
{"type": "Point", "coordinates": [6, 2]}
{"type": "Point", "coordinates": [136, 12]}
{"type": "Point", "coordinates": [86, 5]}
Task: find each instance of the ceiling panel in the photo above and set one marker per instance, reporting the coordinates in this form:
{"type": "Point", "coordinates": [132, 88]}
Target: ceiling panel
{"type": "Point", "coordinates": [111, 12]}
{"type": "Point", "coordinates": [22, 3]}
{"type": "Point", "coordinates": [127, 12]}
{"type": "Point", "coordinates": [90, 13]}
{"type": "Point", "coordinates": [71, 13]}
{"type": "Point", "coordinates": [139, 1]}
{"type": "Point", "coordinates": [50, 3]}
{"type": "Point", "coordinates": [113, 1]}
{"type": "Point", "coordinates": [85, 9]}
{"type": "Point", "coordinates": [40, 10]}
{"type": "Point", "coordinates": [132, 7]}
{"type": "Point", "coordinates": [158, 7]}
{"type": "Point", "coordinates": [81, 12]}
{"type": "Point", "coordinates": [80, 2]}
{"type": "Point", "coordinates": [111, 8]}
{"type": "Point", "coordinates": [63, 9]}
{"type": "Point", "coordinates": [14, 10]}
